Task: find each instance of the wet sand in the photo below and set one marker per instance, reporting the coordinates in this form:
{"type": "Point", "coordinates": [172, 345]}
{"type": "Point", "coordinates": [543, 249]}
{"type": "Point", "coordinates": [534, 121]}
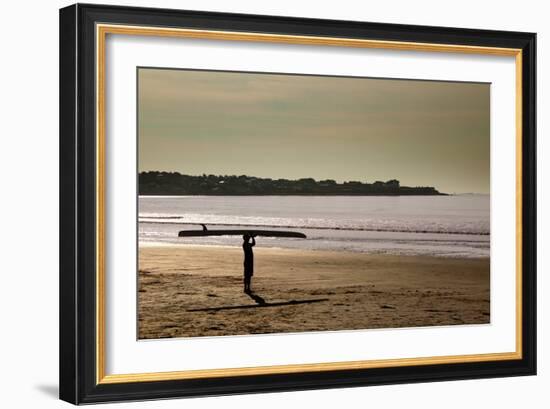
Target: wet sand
{"type": "Point", "coordinates": [188, 291]}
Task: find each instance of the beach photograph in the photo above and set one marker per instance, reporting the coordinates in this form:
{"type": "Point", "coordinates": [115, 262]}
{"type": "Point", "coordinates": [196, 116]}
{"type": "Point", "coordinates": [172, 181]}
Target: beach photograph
{"type": "Point", "coordinates": [287, 203]}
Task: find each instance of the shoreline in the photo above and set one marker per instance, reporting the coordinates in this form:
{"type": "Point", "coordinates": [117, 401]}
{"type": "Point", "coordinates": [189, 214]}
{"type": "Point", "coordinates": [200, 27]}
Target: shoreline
{"type": "Point", "coordinates": [196, 290]}
{"type": "Point", "coordinates": [157, 244]}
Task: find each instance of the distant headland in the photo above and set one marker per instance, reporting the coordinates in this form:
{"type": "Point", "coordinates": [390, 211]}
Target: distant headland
{"type": "Point", "coordinates": [177, 184]}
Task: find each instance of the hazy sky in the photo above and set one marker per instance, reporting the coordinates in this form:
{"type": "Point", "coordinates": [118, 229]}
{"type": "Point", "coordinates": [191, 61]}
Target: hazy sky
{"type": "Point", "coordinates": [422, 133]}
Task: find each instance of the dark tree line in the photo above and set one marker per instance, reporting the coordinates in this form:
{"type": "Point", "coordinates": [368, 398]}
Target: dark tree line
{"type": "Point", "coordinates": [174, 183]}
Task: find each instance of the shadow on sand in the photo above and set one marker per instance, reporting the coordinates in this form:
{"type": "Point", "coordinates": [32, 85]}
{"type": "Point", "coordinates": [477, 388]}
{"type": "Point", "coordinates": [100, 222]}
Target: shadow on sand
{"type": "Point", "coordinates": [260, 302]}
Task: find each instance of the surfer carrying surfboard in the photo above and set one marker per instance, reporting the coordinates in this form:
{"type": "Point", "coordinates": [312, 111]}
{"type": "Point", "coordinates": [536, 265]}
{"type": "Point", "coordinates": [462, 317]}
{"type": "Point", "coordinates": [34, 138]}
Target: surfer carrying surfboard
{"type": "Point", "coordinates": [249, 241]}
{"type": "Point", "coordinates": [248, 261]}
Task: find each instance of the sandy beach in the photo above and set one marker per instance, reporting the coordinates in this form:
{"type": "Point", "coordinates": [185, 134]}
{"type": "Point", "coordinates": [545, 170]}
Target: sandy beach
{"type": "Point", "coordinates": [188, 291]}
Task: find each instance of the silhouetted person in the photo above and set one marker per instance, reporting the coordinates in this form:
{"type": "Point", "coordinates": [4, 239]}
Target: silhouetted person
{"type": "Point", "coordinates": [248, 261]}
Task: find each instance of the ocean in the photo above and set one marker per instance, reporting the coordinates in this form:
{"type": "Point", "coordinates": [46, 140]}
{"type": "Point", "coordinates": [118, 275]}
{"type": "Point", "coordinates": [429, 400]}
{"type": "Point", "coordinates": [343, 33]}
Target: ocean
{"type": "Point", "coordinates": [443, 226]}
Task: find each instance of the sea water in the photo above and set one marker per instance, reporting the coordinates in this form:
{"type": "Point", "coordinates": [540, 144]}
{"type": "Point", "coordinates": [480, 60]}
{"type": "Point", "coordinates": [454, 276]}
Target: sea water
{"type": "Point", "coordinates": [444, 226]}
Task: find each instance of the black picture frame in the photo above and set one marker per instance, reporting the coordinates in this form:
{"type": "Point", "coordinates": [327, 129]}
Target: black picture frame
{"type": "Point", "coordinates": [78, 297]}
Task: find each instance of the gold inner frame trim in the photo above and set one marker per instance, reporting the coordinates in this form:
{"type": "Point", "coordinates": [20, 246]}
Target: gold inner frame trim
{"type": "Point", "coordinates": [101, 33]}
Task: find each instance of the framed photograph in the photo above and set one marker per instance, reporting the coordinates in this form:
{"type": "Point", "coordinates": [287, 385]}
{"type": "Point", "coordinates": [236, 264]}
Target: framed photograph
{"type": "Point", "coordinates": [257, 203]}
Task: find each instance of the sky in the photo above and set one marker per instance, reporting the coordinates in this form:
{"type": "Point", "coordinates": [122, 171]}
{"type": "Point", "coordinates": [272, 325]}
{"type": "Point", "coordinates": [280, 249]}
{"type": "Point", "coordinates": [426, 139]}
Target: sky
{"type": "Point", "coordinates": [422, 133]}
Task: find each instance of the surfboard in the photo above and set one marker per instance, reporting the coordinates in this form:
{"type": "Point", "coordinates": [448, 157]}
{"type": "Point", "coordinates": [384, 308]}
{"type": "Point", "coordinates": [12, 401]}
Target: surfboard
{"type": "Point", "coordinates": [229, 232]}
